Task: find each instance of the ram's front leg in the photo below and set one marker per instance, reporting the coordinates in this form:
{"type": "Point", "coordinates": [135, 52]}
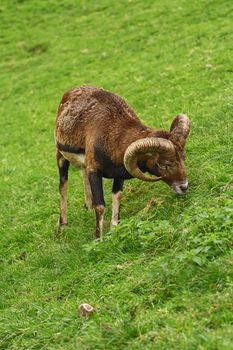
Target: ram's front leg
{"type": "Point", "coordinates": [116, 200]}
{"type": "Point", "coordinates": [96, 184]}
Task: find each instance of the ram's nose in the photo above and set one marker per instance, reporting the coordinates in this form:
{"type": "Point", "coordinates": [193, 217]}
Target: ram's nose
{"type": "Point", "coordinates": [184, 186]}
{"type": "Point", "coordinates": [180, 188]}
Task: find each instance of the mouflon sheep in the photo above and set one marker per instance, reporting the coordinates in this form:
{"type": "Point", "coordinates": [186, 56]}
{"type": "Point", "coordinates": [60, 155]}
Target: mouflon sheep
{"type": "Point", "coordinates": [97, 130]}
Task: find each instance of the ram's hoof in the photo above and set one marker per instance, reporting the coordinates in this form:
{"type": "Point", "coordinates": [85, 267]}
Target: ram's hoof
{"type": "Point", "coordinates": [62, 226]}
{"type": "Point", "coordinates": [88, 206]}
{"type": "Point", "coordinates": [59, 228]}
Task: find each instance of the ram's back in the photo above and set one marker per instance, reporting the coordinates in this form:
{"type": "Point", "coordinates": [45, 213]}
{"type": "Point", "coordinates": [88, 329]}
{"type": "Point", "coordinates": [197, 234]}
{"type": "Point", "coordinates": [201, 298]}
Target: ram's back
{"type": "Point", "coordinates": [87, 111]}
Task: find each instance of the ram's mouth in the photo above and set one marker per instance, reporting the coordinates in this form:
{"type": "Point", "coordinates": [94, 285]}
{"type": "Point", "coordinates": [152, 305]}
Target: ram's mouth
{"type": "Point", "coordinates": [180, 189]}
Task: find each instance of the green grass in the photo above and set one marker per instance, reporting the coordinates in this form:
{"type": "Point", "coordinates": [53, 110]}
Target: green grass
{"type": "Point", "coordinates": [163, 279]}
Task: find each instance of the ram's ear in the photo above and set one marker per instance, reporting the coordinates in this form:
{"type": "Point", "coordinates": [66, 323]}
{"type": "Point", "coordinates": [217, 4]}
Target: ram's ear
{"type": "Point", "coordinates": [180, 130]}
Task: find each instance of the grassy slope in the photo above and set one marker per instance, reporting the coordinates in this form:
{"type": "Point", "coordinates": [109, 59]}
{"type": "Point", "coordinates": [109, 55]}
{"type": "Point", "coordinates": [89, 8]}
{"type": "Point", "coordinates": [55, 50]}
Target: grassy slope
{"type": "Point", "coordinates": [163, 278]}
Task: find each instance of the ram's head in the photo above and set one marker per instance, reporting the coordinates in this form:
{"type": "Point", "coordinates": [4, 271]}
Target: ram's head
{"type": "Point", "coordinates": [164, 158]}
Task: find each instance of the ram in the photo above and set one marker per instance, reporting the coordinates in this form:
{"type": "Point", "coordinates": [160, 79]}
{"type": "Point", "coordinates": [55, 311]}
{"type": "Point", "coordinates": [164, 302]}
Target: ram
{"type": "Point", "coordinates": [97, 130]}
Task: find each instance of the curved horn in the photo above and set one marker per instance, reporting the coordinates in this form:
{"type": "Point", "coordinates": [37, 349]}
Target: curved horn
{"type": "Point", "coordinates": [146, 147]}
{"type": "Point", "coordinates": [180, 129]}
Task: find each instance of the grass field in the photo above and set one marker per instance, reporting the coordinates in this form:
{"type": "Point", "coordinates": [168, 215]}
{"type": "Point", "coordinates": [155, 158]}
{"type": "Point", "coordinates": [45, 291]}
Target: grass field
{"type": "Point", "coordinates": [163, 279]}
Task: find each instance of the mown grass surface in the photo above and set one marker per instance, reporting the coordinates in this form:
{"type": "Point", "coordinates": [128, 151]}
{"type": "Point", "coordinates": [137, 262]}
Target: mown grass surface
{"type": "Point", "coordinates": [163, 279]}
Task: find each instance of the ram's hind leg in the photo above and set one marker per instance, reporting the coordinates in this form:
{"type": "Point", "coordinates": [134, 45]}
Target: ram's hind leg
{"type": "Point", "coordinates": [116, 200]}
{"type": "Point", "coordinates": [87, 191]}
{"type": "Point", "coordinates": [63, 167]}
{"type": "Point", "coordinates": [96, 183]}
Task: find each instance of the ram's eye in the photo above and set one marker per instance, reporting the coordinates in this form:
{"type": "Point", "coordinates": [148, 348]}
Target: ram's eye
{"type": "Point", "coordinates": [163, 166]}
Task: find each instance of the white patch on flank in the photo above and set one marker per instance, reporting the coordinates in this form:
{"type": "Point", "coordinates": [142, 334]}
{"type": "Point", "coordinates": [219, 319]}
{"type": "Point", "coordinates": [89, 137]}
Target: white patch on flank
{"type": "Point", "coordinates": [77, 160]}
{"type": "Point", "coordinates": [116, 198]}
